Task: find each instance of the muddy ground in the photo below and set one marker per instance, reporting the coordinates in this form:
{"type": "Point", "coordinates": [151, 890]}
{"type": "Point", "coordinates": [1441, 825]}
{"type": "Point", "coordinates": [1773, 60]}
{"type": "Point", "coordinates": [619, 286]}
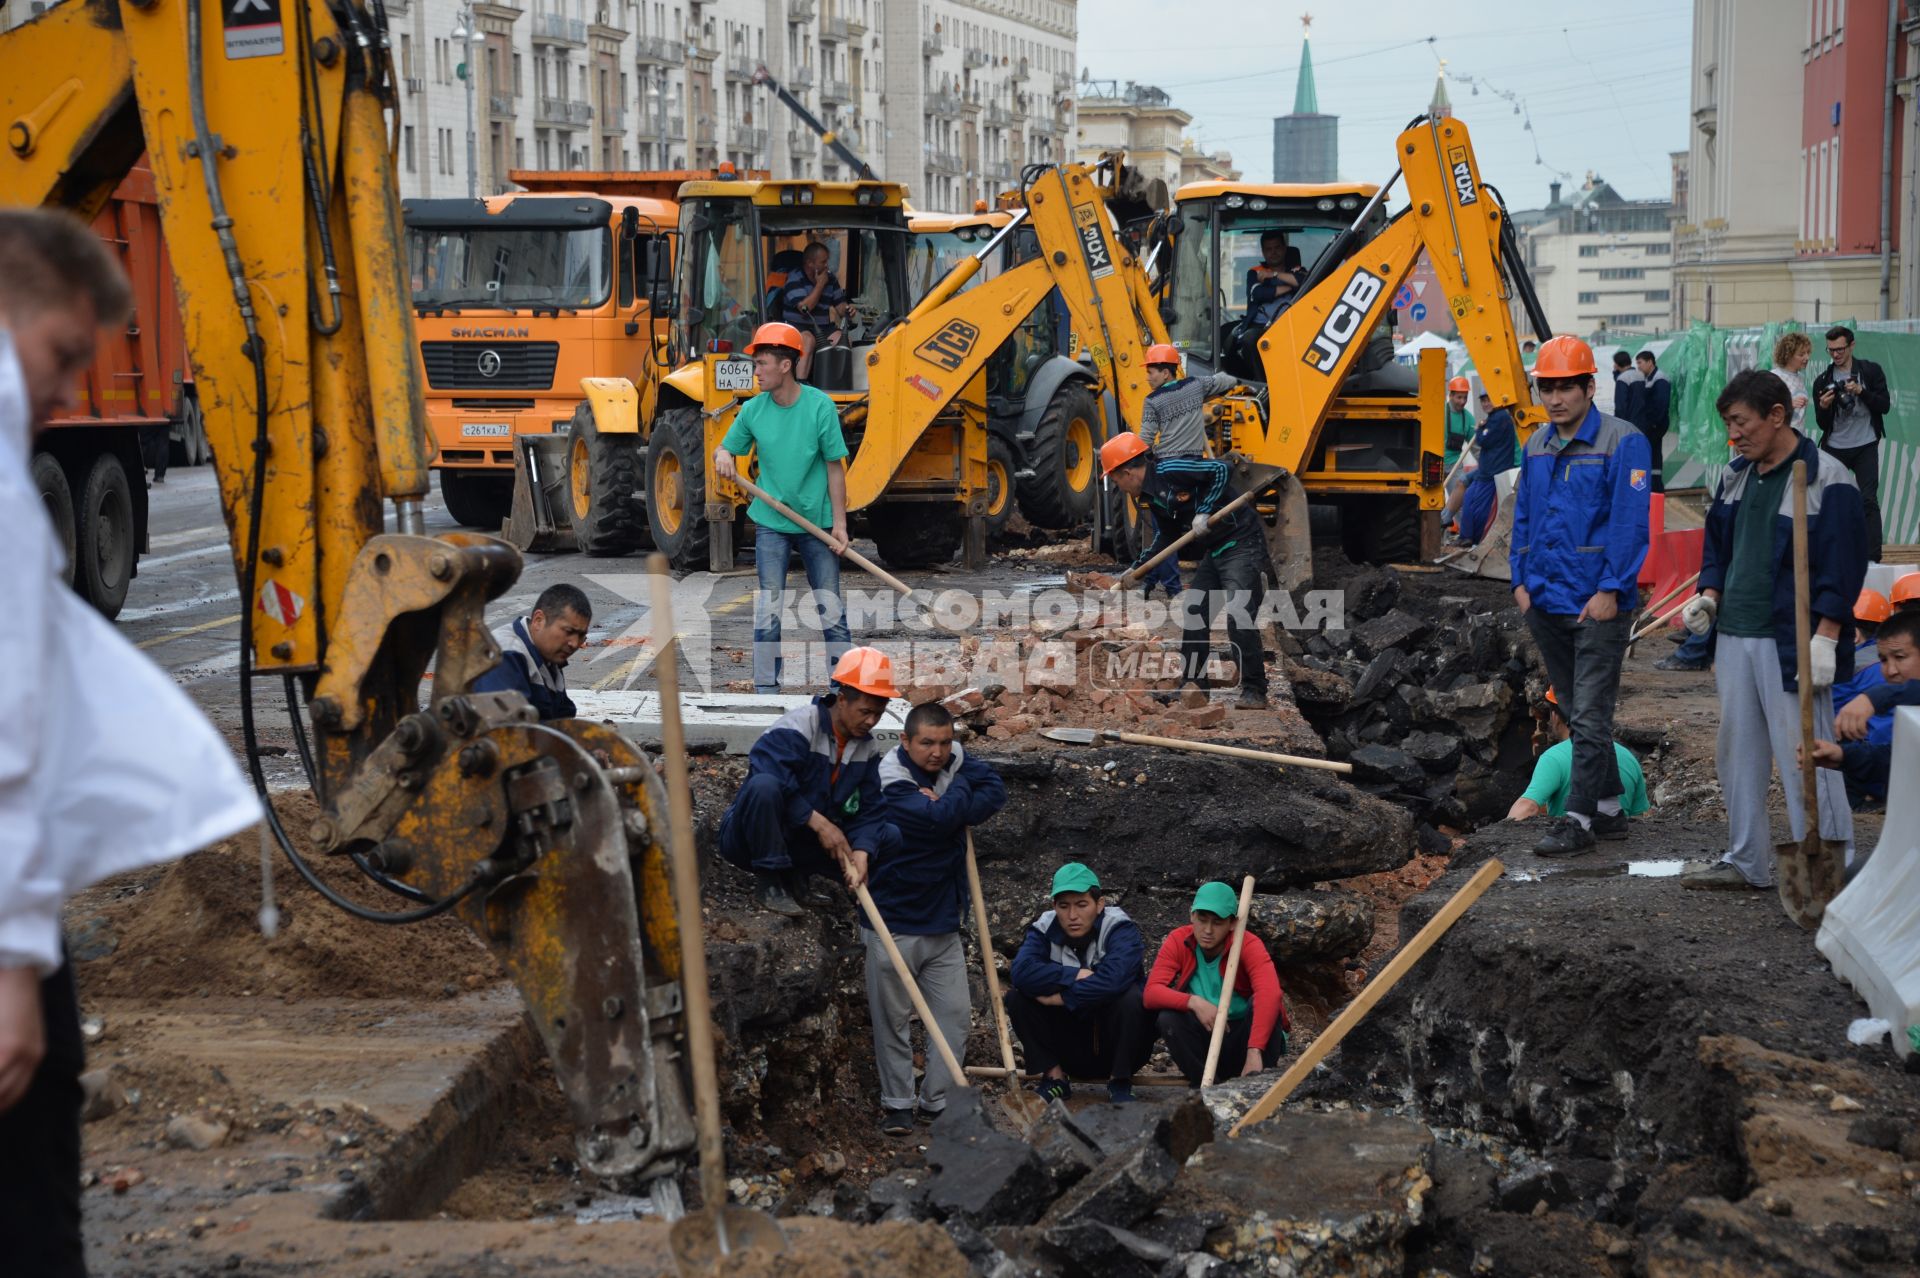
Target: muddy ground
{"type": "Point", "coordinates": [1594, 1073]}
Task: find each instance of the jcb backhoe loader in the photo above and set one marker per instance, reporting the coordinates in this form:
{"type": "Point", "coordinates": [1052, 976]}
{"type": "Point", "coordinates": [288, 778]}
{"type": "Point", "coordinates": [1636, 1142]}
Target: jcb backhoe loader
{"type": "Point", "coordinates": [267, 134]}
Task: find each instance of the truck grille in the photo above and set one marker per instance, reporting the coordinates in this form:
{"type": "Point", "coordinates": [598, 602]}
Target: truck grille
{"type": "Point", "coordinates": [457, 365]}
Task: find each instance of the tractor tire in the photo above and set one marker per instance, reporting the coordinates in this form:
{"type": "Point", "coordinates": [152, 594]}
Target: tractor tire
{"type": "Point", "coordinates": [477, 499]}
{"type": "Point", "coordinates": [1129, 528]}
{"type": "Point", "coordinates": [916, 534]}
{"type": "Point", "coordinates": [51, 479]}
{"type": "Point", "coordinates": [104, 536]}
{"type": "Point", "coordinates": [1000, 484]}
{"type": "Point", "coordinates": [1380, 530]}
{"type": "Point", "coordinates": [677, 488]}
{"type": "Point", "coordinates": [1064, 459]}
{"type": "Point", "coordinates": [603, 479]}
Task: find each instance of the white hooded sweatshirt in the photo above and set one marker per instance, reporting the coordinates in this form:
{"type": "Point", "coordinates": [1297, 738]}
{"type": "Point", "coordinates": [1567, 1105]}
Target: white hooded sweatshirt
{"type": "Point", "coordinates": [105, 764]}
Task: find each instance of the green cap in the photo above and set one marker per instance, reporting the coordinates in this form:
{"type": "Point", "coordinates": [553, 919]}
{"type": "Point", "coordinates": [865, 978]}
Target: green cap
{"type": "Point", "coordinates": [1073, 877]}
{"type": "Point", "coordinates": [1217, 898]}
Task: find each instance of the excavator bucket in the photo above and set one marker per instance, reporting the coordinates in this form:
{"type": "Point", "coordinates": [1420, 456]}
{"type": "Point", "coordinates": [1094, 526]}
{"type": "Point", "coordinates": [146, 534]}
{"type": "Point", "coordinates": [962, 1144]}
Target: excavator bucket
{"type": "Point", "coordinates": [1282, 506]}
{"type": "Point", "coordinates": [1488, 556]}
{"type": "Point", "coordinates": [540, 522]}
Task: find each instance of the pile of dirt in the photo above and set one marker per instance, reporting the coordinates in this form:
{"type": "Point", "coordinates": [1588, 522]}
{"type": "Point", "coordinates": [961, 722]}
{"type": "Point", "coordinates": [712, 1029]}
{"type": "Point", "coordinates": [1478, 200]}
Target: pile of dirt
{"type": "Point", "coordinates": [191, 930]}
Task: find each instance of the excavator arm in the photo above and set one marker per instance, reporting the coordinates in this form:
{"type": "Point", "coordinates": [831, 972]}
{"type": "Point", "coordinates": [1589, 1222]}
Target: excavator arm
{"type": "Point", "coordinates": [1310, 348]}
{"type": "Point", "coordinates": [265, 128]}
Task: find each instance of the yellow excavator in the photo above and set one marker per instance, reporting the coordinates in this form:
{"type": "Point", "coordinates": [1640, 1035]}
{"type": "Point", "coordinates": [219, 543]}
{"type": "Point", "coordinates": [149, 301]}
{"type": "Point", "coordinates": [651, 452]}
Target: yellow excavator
{"type": "Point", "coordinates": [266, 127]}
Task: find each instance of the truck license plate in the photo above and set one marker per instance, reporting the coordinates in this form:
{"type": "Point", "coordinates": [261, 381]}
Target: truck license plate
{"type": "Point", "coordinates": [733, 375]}
{"type": "Point", "coordinates": [485, 430]}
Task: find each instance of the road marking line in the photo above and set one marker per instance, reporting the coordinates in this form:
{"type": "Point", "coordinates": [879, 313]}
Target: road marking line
{"type": "Point", "coordinates": [190, 630]}
{"type": "Point", "coordinates": [160, 541]}
{"type": "Point", "coordinates": [179, 605]}
{"type": "Point", "coordinates": [625, 669]}
{"type": "Point", "coordinates": [164, 560]}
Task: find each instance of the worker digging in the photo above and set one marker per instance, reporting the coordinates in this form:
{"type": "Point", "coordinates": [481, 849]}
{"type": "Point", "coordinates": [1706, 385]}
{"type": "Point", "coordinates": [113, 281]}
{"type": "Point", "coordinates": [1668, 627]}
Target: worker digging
{"type": "Point", "coordinates": [1221, 803]}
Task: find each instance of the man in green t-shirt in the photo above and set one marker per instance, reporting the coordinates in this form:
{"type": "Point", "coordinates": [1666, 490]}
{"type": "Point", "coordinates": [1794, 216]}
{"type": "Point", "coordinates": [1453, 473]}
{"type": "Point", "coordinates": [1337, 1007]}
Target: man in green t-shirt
{"type": "Point", "coordinates": [1553, 779]}
{"type": "Point", "coordinates": [801, 460]}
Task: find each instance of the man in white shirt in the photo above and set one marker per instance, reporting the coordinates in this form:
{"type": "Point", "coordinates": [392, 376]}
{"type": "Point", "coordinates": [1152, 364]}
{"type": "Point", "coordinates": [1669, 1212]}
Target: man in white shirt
{"type": "Point", "coordinates": [105, 765]}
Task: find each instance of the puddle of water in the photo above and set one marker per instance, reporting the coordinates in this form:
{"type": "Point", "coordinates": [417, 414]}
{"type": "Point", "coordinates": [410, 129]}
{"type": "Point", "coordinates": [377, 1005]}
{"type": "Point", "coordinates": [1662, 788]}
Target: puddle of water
{"type": "Point", "coordinates": [1655, 869]}
{"type": "Point", "coordinates": [1660, 869]}
{"type": "Point", "coordinates": [1040, 584]}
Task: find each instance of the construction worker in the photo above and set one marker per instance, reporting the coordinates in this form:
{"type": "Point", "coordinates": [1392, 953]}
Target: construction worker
{"type": "Point", "coordinates": [811, 800]}
{"type": "Point", "coordinates": [1653, 405]}
{"type": "Point", "coordinates": [1865, 756]}
{"type": "Point", "coordinates": [813, 303]}
{"type": "Point", "coordinates": [534, 651]}
{"type": "Point", "coordinates": [1074, 1000]}
{"type": "Point", "coordinates": [1747, 597]}
{"type": "Point", "coordinates": [1552, 778]}
{"type": "Point", "coordinates": [1870, 611]}
{"type": "Point", "coordinates": [105, 765]}
{"type": "Point", "coordinates": [1460, 424]}
{"type": "Point", "coordinates": [934, 794]}
{"type": "Point", "coordinates": [1495, 444]}
{"type": "Point", "coordinates": [1905, 595]}
{"type": "Point", "coordinates": [1183, 493]}
{"type": "Point", "coordinates": [801, 460]}
{"type": "Point", "coordinates": [1579, 538]}
{"type": "Point", "coordinates": [1628, 388]}
{"type": "Point", "coordinates": [1850, 404]}
{"type": "Point", "coordinates": [1274, 278]}
{"type": "Point", "coordinates": [1183, 992]}
{"type": "Point", "coordinates": [1173, 421]}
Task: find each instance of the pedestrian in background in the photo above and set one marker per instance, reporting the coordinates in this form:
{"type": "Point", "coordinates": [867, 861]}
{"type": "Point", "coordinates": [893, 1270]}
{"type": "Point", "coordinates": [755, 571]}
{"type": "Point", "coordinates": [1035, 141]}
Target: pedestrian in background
{"type": "Point", "coordinates": [1579, 538]}
{"type": "Point", "coordinates": [1850, 403]}
{"type": "Point", "coordinates": [1790, 356]}
{"type": "Point", "coordinates": [1628, 387]}
{"type": "Point", "coordinates": [1652, 405]}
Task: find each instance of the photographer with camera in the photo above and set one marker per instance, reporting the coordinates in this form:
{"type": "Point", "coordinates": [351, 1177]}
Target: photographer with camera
{"type": "Point", "coordinates": [1849, 401]}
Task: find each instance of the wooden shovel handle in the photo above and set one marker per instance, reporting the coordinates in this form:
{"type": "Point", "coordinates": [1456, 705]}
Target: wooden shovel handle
{"type": "Point", "coordinates": [1227, 979]}
{"type": "Point", "coordinates": [850, 554]}
{"type": "Point", "coordinates": [1235, 752]}
{"type": "Point", "coordinates": [1132, 575]}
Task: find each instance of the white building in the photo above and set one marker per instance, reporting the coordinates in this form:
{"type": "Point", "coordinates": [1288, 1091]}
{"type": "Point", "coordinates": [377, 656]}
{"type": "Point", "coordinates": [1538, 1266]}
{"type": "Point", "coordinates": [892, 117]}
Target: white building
{"type": "Point", "coordinates": [1600, 263]}
{"type": "Point", "coordinates": [949, 96]}
{"type": "Point", "coordinates": [1139, 119]}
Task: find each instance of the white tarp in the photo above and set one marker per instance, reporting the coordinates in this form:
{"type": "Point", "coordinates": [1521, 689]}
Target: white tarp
{"type": "Point", "coordinates": [1871, 932]}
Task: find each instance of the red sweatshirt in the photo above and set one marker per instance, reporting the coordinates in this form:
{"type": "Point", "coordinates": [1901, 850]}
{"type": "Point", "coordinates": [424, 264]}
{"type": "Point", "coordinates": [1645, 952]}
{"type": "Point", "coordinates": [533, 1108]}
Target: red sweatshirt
{"type": "Point", "coordinates": [1257, 979]}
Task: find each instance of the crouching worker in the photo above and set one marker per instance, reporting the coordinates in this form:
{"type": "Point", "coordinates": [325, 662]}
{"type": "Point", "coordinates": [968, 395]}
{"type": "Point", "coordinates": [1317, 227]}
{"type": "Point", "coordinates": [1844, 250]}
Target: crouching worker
{"type": "Point", "coordinates": [1553, 780]}
{"type": "Point", "coordinates": [934, 792]}
{"type": "Point", "coordinates": [1183, 992]}
{"type": "Point", "coordinates": [1075, 1001]}
{"type": "Point", "coordinates": [811, 801]}
{"type": "Point", "coordinates": [1864, 753]}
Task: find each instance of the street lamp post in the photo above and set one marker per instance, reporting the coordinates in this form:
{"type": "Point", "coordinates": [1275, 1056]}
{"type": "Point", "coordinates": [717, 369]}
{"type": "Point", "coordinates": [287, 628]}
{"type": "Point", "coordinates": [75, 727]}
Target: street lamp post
{"type": "Point", "coordinates": [463, 32]}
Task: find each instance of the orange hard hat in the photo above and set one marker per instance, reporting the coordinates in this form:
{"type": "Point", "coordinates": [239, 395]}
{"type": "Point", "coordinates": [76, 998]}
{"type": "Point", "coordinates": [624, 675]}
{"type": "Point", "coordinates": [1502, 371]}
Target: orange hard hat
{"type": "Point", "coordinates": [867, 670]}
{"type": "Point", "coordinates": [1872, 606]}
{"type": "Point", "coordinates": [1459, 384]}
{"type": "Point", "coordinates": [1906, 590]}
{"type": "Point", "coordinates": [1551, 699]}
{"type": "Point", "coordinates": [1161, 353]}
{"type": "Point", "coordinates": [774, 334]}
{"type": "Point", "coordinates": [1120, 450]}
{"type": "Point", "coordinates": [1564, 356]}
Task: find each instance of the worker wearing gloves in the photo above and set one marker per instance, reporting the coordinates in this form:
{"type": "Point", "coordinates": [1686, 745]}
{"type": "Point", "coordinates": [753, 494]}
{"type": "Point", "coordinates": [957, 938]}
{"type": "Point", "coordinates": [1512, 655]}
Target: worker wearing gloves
{"type": "Point", "coordinates": [534, 650]}
{"type": "Point", "coordinates": [934, 792]}
{"type": "Point", "coordinates": [1183, 992]}
{"type": "Point", "coordinates": [812, 800]}
{"type": "Point", "coordinates": [105, 765]}
{"type": "Point", "coordinates": [1579, 538]}
{"type": "Point", "coordinates": [1075, 996]}
{"type": "Point", "coordinates": [1183, 493]}
{"type": "Point", "coordinates": [1747, 596]}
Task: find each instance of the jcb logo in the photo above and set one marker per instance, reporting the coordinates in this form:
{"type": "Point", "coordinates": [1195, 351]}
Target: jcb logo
{"type": "Point", "coordinates": [1093, 241]}
{"type": "Point", "coordinates": [1462, 176]}
{"type": "Point", "coordinates": [1345, 321]}
{"type": "Point", "coordinates": [948, 348]}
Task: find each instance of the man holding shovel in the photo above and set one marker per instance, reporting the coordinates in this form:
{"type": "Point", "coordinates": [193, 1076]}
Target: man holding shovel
{"type": "Point", "coordinates": [1747, 585]}
{"type": "Point", "coordinates": [934, 793]}
{"type": "Point", "coordinates": [794, 431]}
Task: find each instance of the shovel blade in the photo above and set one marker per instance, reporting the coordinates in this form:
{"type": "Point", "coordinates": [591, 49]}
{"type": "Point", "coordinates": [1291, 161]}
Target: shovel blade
{"type": "Point", "coordinates": [1072, 736]}
{"type": "Point", "coordinates": [1807, 874]}
{"type": "Point", "coordinates": [700, 1241]}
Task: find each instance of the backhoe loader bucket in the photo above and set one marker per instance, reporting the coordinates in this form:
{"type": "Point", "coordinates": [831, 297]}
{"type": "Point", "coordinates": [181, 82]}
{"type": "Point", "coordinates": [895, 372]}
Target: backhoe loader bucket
{"type": "Point", "coordinates": [539, 522]}
{"type": "Point", "coordinates": [1282, 506]}
{"type": "Point", "coordinates": [1488, 557]}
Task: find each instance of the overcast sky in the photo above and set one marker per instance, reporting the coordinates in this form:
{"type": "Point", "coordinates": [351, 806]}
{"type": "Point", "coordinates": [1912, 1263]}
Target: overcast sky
{"type": "Point", "coordinates": [1605, 85]}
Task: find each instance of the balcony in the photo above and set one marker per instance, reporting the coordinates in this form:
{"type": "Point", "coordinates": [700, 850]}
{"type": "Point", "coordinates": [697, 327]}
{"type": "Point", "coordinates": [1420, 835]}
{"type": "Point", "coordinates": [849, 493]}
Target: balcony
{"type": "Point", "coordinates": [997, 116]}
{"type": "Point", "coordinates": [555, 28]}
{"type": "Point", "coordinates": [609, 23]}
{"type": "Point", "coordinates": [944, 162]}
{"type": "Point", "coordinates": [833, 30]}
{"type": "Point", "coordinates": [801, 11]}
{"type": "Point", "coordinates": [613, 119]}
{"type": "Point", "coordinates": [943, 102]}
{"type": "Point", "coordinates": [565, 113]}
{"type": "Point", "coordinates": [997, 171]}
{"type": "Point", "coordinates": [932, 46]}
{"type": "Point", "coordinates": [975, 58]}
{"type": "Point", "coordinates": [1062, 82]}
{"type": "Point", "coordinates": [835, 93]}
{"type": "Point", "coordinates": [659, 51]}
{"type": "Point", "coordinates": [800, 78]}
{"type": "Point", "coordinates": [701, 52]}
{"type": "Point", "coordinates": [500, 106]}
{"type": "Point", "coordinates": [1042, 126]}
{"type": "Point", "coordinates": [744, 137]}
{"type": "Point", "coordinates": [856, 27]}
{"type": "Point", "coordinates": [741, 69]}
{"type": "Point", "coordinates": [703, 130]}
{"type": "Point", "coordinates": [675, 128]}
{"type": "Point", "coordinates": [801, 141]}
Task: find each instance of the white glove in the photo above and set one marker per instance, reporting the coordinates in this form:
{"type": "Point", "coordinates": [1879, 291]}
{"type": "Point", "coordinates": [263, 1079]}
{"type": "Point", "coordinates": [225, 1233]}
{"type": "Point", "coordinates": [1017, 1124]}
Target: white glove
{"type": "Point", "coordinates": [1200, 524]}
{"type": "Point", "coordinates": [1820, 657]}
{"type": "Point", "coordinates": [1699, 613]}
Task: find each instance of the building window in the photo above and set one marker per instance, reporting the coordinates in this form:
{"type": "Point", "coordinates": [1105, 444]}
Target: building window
{"type": "Point", "coordinates": [1629, 321]}
{"type": "Point", "coordinates": [1622, 273]}
{"type": "Point", "coordinates": [406, 146]}
{"type": "Point", "coordinates": [1660, 249]}
{"type": "Point", "coordinates": [1659, 295]}
{"type": "Point", "coordinates": [1587, 298]}
{"type": "Point", "coordinates": [1589, 250]}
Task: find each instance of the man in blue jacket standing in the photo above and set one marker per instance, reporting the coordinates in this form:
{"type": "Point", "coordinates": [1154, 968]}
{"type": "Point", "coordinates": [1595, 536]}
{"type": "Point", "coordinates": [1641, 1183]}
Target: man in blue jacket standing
{"type": "Point", "coordinates": [934, 793]}
{"type": "Point", "coordinates": [534, 650]}
{"type": "Point", "coordinates": [1747, 587]}
{"type": "Point", "coordinates": [812, 800]}
{"type": "Point", "coordinates": [1579, 538]}
{"type": "Point", "coordinates": [1077, 981]}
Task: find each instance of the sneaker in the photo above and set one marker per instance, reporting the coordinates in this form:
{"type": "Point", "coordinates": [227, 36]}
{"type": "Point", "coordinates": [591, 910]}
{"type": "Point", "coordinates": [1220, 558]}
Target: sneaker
{"type": "Point", "coordinates": [896, 1122]}
{"type": "Point", "coordinates": [1679, 663]}
{"type": "Point", "coordinates": [1611, 827]}
{"type": "Point", "coordinates": [1251, 699]}
{"type": "Point", "coordinates": [927, 1116]}
{"type": "Point", "coordinates": [1053, 1089]}
{"type": "Point", "coordinates": [772, 895]}
{"type": "Point", "coordinates": [1565, 837]}
{"type": "Point", "coordinates": [1718, 877]}
{"type": "Point", "coordinates": [1120, 1091]}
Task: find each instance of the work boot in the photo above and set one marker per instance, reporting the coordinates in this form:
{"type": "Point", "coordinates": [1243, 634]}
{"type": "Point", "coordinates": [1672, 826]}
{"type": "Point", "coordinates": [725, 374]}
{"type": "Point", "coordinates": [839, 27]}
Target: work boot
{"type": "Point", "coordinates": [1251, 699]}
{"type": "Point", "coordinates": [1679, 663]}
{"type": "Point", "coordinates": [896, 1122]}
{"type": "Point", "coordinates": [771, 894]}
{"type": "Point", "coordinates": [1611, 827]}
{"type": "Point", "coordinates": [1565, 837]}
{"type": "Point", "coordinates": [807, 892]}
{"type": "Point", "coordinates": [1718, 877]}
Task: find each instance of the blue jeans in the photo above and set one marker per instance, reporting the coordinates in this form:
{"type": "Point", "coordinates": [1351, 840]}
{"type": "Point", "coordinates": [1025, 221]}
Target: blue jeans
{"type": "Point", "coordinates": [1696, 648]}
{"type": "Point", "coordinates": [771, 550]}
{"type": "Point", "coordinates": [755, 835]}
